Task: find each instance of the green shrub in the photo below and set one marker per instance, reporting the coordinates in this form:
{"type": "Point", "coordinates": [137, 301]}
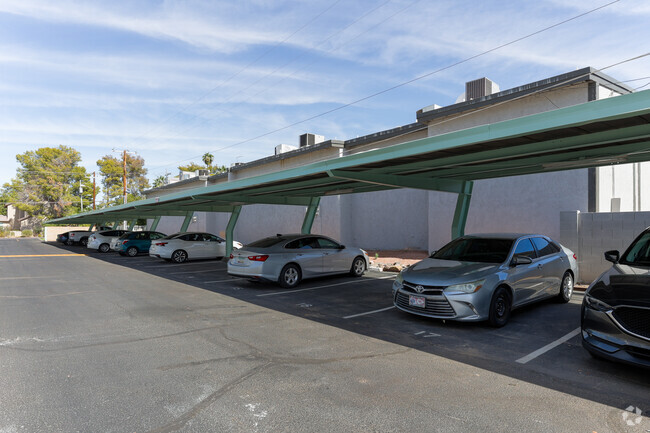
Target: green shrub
{"type": "Point", "coordinates": [27, 233]}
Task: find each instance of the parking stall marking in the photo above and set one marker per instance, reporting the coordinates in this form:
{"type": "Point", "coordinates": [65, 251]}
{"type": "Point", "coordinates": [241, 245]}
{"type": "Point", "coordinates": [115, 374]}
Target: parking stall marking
{"type": "Point", "coordinates": [194, 272]}
{"type": "Point", "coordinates": [369, 312]}
{"type": "Point", "coordinates": [32, 278]}
{"type": "Point", "coordinates": [548, 347]}
{"type": "Point", "coordinates": [223, 281]}
{"type": "Point", "coordinates": [43, 255]}
{"type": "Point", "coordinates": [166, 265]}
{"type": "Point", "coordinates": [323, 287]}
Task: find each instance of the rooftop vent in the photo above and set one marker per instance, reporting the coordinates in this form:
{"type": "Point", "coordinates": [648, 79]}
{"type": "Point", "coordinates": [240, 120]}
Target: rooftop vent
{"type": "Point", "coordinates": [309, 139]}
{"type": "Point", "coordinates": [480, 88]}
{"type": "Point", "coordinates": [281, 148]}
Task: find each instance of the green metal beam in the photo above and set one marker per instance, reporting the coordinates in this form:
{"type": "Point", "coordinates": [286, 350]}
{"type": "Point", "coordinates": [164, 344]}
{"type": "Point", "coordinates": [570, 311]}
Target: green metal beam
{"type": "Point", "coordinates": [116, 224]}
{"type": "Point", "coordinates": [310, 215]}
{"type": "Point", "coordinates": [462, 210]}
{"type": "Point", "coordinates": [187, 221]}
{"type": "Point", "coordinates": [132, 224]}
{"type": "Point", "coordinates": [419, 182]}
{"type": "Point", "coordinates": [230, 228]}
{"type": "Point", "coordinates": [154, 224]}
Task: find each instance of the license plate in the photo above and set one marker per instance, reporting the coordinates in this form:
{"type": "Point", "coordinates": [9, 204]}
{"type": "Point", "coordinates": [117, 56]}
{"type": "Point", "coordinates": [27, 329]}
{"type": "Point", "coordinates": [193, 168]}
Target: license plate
{"type": "Point", "coordinates": [239, 260]}
{"type": "Point", "coordinates": [417, 301]}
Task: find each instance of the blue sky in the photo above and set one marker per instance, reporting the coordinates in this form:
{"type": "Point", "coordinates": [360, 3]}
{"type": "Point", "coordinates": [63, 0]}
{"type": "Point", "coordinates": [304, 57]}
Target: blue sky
{"type": "Point", "coordinates": [172, 80]}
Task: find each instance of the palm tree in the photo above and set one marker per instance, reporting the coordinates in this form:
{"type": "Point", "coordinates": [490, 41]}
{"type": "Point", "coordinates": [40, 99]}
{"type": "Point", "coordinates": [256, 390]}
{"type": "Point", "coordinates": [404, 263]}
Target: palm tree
{"type": "Point", "coordinates": [207, 160]}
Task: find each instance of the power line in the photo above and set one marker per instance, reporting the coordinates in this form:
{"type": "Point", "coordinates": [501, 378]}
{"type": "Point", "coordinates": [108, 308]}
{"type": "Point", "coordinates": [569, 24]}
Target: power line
{"type": "Point", "coordinates": [421, 77]}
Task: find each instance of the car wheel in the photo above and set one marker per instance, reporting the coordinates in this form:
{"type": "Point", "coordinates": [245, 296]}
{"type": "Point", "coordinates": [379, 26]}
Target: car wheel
{"type": "Point", "coordinates": [179, 256]}
{"type": "Point", "coordinates": [500, 307]}
{"type": "Point", "coordinates": [104, 248]}
{"type": "Point", "coordinates": [69, 242]}
{"type": "Point", "coordinates": [566, 288]}
{"type": "Point", "coordinates": [132, 251]}
{"type": "Point", "coordinates": [290, 276]}
{"type": "Point", "coordinates": [84, 241]}
{"type": "Point", "coordinates": [358, 267]}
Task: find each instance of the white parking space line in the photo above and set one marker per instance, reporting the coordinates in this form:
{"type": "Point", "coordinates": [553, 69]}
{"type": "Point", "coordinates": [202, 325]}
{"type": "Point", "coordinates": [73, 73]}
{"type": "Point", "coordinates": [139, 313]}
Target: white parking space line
{"type": "Point", "coordinates": [223, 281]}
{"type": "Point", "coordinates": [323, 287]}
{"type": "Point", "coordinates": [167, 265]}
{"type": "Point", "coordinates": [548, 347]}
{"type": "Point", "coordinates": [371, 312]}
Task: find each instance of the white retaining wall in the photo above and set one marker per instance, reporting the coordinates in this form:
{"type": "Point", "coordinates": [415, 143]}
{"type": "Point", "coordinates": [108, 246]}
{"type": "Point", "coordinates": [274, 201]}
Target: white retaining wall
{"type": "Point", "coordinates": [590, 234]}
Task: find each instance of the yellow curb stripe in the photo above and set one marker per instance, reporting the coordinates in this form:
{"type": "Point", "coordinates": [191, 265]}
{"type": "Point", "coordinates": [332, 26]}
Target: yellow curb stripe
{"type": "Point", "coordinates": [45, 255]}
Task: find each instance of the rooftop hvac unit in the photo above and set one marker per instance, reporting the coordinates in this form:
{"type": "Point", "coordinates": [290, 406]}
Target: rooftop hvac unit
{"type": "Point", "coordinates": [480, 88]}
{"type": "Point", "coordinates": [309, 139]}
{"type": "Point", "coordinates": [281, 148]}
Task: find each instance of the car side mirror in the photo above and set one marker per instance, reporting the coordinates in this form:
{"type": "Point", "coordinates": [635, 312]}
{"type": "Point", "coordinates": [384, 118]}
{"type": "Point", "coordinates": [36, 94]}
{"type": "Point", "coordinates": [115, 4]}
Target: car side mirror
{"type": "Point", "coordinates": [341, 247]}
{"type": "Point", "coordinates": [612, 256]}
{"type": "Point", "coordinates": [521, 260]}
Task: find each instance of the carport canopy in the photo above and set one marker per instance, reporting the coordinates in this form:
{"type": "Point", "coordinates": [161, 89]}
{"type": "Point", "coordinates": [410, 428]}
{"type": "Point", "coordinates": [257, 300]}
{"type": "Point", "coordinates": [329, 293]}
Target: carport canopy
{"type": "Point", "coordinates": [598, 133]}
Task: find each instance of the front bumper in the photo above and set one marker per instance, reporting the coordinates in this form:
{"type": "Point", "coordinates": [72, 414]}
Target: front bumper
{"type": "Point", "coordinates": [605, 338]}
{"type": "Point", "coordinates": [438, 305]}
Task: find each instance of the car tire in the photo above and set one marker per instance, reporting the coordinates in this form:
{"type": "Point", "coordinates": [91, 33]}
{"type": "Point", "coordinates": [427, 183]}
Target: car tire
{"type": "Point", "coordinates": [104, 248]}
{"type": "Point", "coordinates": [358, 267]}
{"type": "Point", "coordinates": [131, 251]}
{"type": "Point", "coordinates": [69, 242]}
{"type": "Point", "coordinates": [566, 288]}
{"type": "Point", "coordinates": [500, 307]}
{"type": "Point", "coordinates": [179, 256]}
{"type": "Point", "coordinates": [290, 276]}
{"type": "Point", "coordinates": [84, 242]}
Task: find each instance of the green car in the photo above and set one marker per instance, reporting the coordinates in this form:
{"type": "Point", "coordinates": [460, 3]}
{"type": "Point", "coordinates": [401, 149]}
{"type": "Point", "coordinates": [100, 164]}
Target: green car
{"type": "Point", "coordinates": [133, 243]}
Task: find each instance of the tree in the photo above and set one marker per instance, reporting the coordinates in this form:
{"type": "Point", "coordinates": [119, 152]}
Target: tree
{"type": "Point", "coordinates": [208, 158]}
{"type": "Point", "coordinates": [47, 183]}
{"type": "Point", "coordinates": [112, 170]}
{"type": "Point", "coordinates": [159, 181]}
{"type": "Point", "coordinates": [192, 166]}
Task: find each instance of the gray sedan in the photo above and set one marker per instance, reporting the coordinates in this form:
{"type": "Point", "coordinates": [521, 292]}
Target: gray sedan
{"type": "Point", "coordinates": [287, 259]}
{"type": "Point", "coordinates": [483, 277]}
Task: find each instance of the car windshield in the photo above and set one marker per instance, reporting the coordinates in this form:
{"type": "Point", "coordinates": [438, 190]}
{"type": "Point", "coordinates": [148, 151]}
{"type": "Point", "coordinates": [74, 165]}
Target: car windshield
{"type": "Point", "coordinates": [266, 242]}
{"type": "Point", "coordinates": [172, 236]}
{"type": "Point", "coordinates": [638, 254]}
{"type": "Point", "coordinates": [482, 250]}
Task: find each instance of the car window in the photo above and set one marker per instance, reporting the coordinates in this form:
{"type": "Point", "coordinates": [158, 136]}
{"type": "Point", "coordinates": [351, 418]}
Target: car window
{"type": "Point", "coordinates": [142, 236]}
{"type": "Point", "coordinates": [544, 247]}
{"type": "Point", "coordinates": [157, 235]}
{"type": "Point", "coordinates": [303, 243]}
{"type": "Point", "coordinates": [483, 250]}
{"type": "Point", "coordinates": [638, 254]}
{"type": "Point", "coordinates": [267, 242]}
{"type": "Point", "coordinates": [327, 243]}
{"type": "Point", "coordinates": [186, 237]}
{"type": "Point", "coordinates": [211, 238]}
{"type": "Point", "coordinates": [525, 248]}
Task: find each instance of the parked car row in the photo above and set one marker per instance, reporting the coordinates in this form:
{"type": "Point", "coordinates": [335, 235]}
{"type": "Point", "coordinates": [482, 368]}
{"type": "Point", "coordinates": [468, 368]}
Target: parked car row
{"type": "Point", "coordinates": [472, 278]}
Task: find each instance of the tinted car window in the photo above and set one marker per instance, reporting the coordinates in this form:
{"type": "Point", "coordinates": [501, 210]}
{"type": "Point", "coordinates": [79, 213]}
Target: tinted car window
{"type": "Point", "coordinates": [525, 249]}
{"type": "Point", "coordinates": [326, 243]}
{"type": "Point", "coordinates": [476, 250]}
{"type": "Point", "coordinates": [266, 242]}
{"type": "Point", "coordinates": [638, 254]}
{"type": "Point", "coordinates": [544, 247]}
{"type": "Point", "coordinates": [211, 238]}
{"type": "Point", "coordinates": [303, 243]}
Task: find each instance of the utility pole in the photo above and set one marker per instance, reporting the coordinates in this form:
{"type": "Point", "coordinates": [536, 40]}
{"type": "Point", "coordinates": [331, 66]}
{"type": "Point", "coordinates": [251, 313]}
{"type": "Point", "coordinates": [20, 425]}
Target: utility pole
{"type": "Point", "coordinates": [94, 193]}
{"type": "Point", "coordinates": [81, 197]}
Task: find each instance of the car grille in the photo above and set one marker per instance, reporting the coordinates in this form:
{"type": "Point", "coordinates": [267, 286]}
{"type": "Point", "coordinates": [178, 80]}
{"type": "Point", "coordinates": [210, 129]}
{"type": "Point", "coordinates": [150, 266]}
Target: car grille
{"type": "Point", "coordinates": [634, 320]}
{"type": "Point", "coordinates": [438, 307]}
{"type": "Point", "coordinates": [426, 290]}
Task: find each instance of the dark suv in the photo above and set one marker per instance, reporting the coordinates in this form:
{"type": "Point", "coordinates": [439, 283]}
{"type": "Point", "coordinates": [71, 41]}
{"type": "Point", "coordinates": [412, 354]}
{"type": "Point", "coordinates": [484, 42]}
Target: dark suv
{"type": "Point", "coordinates": [616, 307]}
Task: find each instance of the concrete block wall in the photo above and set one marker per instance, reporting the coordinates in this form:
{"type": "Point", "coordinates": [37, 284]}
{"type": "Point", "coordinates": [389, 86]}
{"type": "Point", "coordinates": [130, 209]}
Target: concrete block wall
{"type": "Point", "coordinates": [590, 234]}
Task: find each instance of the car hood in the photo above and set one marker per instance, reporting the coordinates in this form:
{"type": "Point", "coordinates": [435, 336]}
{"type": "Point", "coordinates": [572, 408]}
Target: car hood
{"type": "Point", "coordinates": [436, 272]}
{"type": "Point", "coordinates": [623, 285]}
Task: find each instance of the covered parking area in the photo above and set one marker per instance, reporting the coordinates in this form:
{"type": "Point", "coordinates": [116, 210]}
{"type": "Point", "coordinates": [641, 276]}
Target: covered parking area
{"type": "Point", "coordinates": [604, 132]}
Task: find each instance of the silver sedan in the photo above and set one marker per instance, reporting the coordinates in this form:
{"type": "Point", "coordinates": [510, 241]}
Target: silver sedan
{"type": "Point", "coordinates": [287, 259]}
{"type": "Point", "coordinates": [483, 277]}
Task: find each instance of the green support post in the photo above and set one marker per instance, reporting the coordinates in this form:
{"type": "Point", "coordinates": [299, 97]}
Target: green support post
{"type": "Point", "coordinates": [116, 224]}
{"type": "Point", "coordinates": [154, 224]}
{"type": "Point", "coordinates": [310, 215]}
{"type": "Point", "coordinates": [462, 209]}
{"type": "Point", "coordinates": [187, 221]}
{"type": "Point", "coordinates": [132, 224]}
{"type": "Point", "coordinates": [230, 228]}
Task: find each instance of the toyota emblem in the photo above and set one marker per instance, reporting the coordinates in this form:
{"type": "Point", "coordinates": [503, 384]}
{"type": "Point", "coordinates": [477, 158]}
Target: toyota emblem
{"type": "Point", "coordinates": [419, 289]}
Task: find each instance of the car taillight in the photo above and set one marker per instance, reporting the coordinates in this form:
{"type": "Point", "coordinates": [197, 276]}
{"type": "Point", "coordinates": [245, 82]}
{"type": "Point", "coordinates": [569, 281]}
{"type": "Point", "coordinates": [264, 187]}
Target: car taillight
{"type": "Point", "coordinates": [124, 242]}
{"type": "Point", "coordinates": [232, 257]}
{"type": "Point", "coordinates": [161, 244]}
{"type": "Point", "coordinates": [575, 257]}
{"type": "Point", "coordinates": [261, 258]}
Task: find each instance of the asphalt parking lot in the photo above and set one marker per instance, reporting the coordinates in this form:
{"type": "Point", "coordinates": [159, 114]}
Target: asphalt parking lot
{"type": "Point", "coordinates": [99, 342]}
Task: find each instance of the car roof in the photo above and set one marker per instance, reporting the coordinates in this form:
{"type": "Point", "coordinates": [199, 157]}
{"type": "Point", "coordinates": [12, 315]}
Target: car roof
{"type": "Point", "coordinates": [512, 236]}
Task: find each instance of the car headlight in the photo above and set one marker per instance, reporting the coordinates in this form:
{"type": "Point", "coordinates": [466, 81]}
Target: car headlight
{"type": "Point", "coordinates": [472, 287]}
{"type": "Point", "coordinates": [399, 282]}
{"type": "Point", "coordinates": [596, 304]}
